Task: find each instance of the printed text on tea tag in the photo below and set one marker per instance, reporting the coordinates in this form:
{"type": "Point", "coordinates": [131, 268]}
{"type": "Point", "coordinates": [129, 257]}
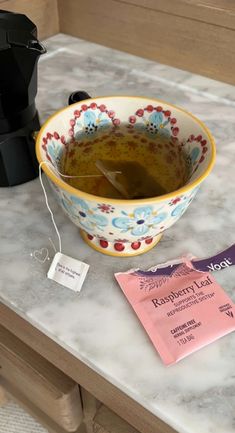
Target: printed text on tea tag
{"type": "Point", "coordinates": [68, 272]}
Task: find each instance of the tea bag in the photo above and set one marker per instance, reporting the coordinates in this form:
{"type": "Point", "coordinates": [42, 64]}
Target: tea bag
{"type": "Point", "coordinates": [130, 178]}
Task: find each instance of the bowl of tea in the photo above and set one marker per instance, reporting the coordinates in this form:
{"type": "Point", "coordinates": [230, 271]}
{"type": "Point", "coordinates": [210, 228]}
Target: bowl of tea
{"type": "Point", "coordinates": [124, 169]}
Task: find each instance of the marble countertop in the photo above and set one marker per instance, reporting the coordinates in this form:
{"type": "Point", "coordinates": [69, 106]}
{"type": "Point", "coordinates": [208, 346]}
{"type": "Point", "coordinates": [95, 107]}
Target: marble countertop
{"type": "Point", "coordinates": [98, 326]}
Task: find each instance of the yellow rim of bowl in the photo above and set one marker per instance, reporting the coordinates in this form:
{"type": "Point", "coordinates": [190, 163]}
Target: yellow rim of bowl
{"type": "Point", "coordinates": [93, 197]}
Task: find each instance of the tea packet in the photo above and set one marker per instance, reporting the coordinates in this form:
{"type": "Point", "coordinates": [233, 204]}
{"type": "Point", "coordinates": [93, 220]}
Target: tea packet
{"type": "Point", "coordinates": [130, 178]}
{"type": "Point", "coordinates": [181, 312]}
{"type": "Point", "coordinates": [219, 261]}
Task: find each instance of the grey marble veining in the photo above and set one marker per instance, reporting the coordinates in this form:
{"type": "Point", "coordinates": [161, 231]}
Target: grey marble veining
{"type": "Point", "coordinates": [98, 325]}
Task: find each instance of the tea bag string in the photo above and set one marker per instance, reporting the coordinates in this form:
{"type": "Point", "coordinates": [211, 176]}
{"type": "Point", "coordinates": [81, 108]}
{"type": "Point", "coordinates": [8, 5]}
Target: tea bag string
{"type": "Point", "coordinates": [81, 175]}
{"type": "Point", "coordinates": [46, 198]}
{"type": "Point", "coordinates": [47, 204]}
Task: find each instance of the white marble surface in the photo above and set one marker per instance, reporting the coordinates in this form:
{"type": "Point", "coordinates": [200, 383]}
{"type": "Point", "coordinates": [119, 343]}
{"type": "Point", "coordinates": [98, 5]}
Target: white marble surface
{"type": "Point", "coordinates": [98, 326]}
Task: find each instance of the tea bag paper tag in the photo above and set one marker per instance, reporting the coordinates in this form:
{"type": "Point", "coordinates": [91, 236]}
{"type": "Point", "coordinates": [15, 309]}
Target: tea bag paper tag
{"type": "Point", "coordinates": [68, 272]}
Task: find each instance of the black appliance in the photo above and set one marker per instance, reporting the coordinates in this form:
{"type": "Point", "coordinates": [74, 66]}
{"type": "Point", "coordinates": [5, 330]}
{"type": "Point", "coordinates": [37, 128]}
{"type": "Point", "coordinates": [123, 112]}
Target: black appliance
{"type": "Point", "coordinates": [19, 53]}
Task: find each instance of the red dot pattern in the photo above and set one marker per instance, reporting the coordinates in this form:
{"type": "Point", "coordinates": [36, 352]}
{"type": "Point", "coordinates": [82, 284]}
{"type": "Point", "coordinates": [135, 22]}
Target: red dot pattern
{"type": "Point", "coordinates": [120, 246]}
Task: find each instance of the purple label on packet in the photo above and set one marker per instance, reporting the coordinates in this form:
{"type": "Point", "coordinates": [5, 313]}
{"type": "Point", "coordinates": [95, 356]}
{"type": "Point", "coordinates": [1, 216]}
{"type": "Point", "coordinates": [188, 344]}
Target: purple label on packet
{"type": "Point", "coordinates": [222, 260]}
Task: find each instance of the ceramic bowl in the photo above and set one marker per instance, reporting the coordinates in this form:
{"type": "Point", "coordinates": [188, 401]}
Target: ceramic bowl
{"type": "Point", "coordinates": [118, 226]}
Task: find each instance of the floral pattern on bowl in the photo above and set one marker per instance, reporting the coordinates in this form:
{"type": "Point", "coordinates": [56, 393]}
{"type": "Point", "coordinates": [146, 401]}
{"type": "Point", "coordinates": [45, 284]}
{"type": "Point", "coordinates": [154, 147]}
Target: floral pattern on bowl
{"type": "Point", "coordinates": [197, 152]}
{"type": "Point", "coordinates": [126, 227]}
{"type": "Point", "coordinates": [90, 118]}
{"type": "Point", "coordinates": [53, 145]}
{"type": "Point", "coordinates": [82, 214]}
{"type": "Point", "coordinates": [138, 223]}
{"type": "Point", "coordinates": [154, 120]}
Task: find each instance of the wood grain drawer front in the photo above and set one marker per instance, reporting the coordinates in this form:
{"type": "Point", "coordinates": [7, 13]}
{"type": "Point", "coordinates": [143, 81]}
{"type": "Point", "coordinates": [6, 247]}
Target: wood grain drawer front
{"type": "Point", "coordinates": [195, 36]}
{"type": "Point", "coordinates": [106, 421]}
{"type": "Point", "coordinates": [47, 387]}
{"type": "Point", "coordinates": [43, 13]}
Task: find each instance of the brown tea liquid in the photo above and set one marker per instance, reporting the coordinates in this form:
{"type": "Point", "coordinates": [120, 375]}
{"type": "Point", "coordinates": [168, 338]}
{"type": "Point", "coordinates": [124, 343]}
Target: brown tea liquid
{"type": "Point", "coordinates": [147, 166]}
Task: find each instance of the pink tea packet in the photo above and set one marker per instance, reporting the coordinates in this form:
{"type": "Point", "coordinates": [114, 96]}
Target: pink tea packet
{"type": "Point", "coordinates": [223, 259]}
{"type": "Point", "coordinates": [181, 312]}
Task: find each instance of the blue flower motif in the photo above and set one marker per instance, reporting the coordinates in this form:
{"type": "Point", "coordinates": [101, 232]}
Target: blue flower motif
{"type": "Point", "coordinates": [179, 210]}
{"type": "Point", "coordinates": [155, 125]}
{"type": "Point", "coordinates": [194, 154]}
{"type": "Point", "coordinates": [91, 123]}
{"type": "Point", "coordinates": [80, 211]}
{"type": "Point", "coordinates": [140, 221]}
{"type": "Point", "coordinates": [55, 150]}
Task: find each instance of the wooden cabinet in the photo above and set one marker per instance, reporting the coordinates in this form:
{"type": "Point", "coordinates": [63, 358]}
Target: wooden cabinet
{"type": "Point", "coordinates": [106, 421]}
{"type": "Point", "coordinates": [50, 395]}
{"type": "Point", "coordinates": [44, 13]}
{"type": "Point", "coordinates": [195, 36]}
{"type": "Point", "coordinates": [29, 375]}
{"type": "Point", "coordinates": [104, 391]}
{"type": "Point", "coordinates": [98, 418]}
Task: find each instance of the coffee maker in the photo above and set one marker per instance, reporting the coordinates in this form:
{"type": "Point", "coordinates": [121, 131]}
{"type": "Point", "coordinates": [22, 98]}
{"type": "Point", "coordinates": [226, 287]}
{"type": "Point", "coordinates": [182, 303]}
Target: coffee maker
{"type": "Point", "coordinates": [19, 121]}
